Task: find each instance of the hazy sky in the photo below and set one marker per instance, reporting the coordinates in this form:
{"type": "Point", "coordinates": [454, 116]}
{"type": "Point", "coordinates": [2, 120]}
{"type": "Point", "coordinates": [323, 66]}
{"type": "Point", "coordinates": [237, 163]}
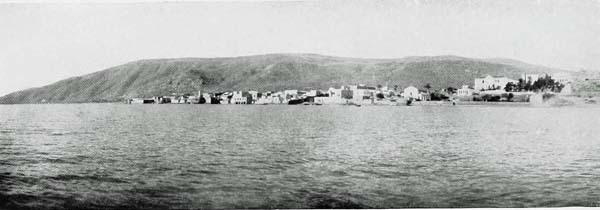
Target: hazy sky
{"type": "Point", "coordinates": [41, 43]}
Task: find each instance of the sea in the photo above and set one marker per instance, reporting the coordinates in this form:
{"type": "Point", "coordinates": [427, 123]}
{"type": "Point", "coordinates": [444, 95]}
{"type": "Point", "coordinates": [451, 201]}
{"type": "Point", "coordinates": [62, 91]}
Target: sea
{"type": "Point", "coordinates": [176, 156]}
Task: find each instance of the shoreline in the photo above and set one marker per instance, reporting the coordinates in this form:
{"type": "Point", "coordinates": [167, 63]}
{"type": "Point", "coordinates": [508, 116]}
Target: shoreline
{"type": "Point", "coordinates": [557, 101]}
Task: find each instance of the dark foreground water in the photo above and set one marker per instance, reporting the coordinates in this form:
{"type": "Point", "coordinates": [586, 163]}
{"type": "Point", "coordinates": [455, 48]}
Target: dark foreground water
{"type": "Point", "coordinates": [219, 156]}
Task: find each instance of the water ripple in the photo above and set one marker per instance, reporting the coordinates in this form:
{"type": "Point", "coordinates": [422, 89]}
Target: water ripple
{"type": "Point", "coordinates": [112, 156]}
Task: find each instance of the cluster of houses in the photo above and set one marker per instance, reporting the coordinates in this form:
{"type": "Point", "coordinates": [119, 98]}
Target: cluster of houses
{"type": "Point", "coordinates": [352, 94]}
{"type": "Point", "coordinates": [496, 84]}
{"type": "Point", "coordinates": [349, 95]}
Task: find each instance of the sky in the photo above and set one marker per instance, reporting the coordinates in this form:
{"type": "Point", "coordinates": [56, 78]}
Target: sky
{"type": "Point", "coordinates": [42, 42]}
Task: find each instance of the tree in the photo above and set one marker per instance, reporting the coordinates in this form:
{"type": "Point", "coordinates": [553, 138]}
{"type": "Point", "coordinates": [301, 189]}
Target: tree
{"type": "Point", "coordinates": [436, 96]}
{"type": "Point", "coordinates": [427, 86]}
{"type": "Point", "coordinates": [395, 87]}
{"type": "Point", "coordinates": [544, 83]}
{"type": "Point", "coordinates": [486, 97]}
{"type": "Point", "coordinates": [451, 90]}
{"type": "Point", "coordinates": [521, 85]}
{"type": "Point", "coordinates": [528, 86]}
{"type": "Point", "coordinates": [508, 96]}
{"type": "Point", "coordinates": [510, 87]}
{"type": "Point", "coordinates": [558, 87]}
{"type": "Point", "coordinates": [347, 94]}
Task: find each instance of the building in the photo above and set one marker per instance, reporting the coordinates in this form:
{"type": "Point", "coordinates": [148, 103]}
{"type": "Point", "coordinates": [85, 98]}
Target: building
{"type": "Point", "coordinates": [562, 78]}
{"type": "Point", "coordinates": [362, 94]}
{"type": "Point", "coordinates": [335, 93]}
{"type": "Point", "coordinates": [311, 93]}
{"type": "Point", "coordinates": [464, 91]}
{"type": "Point", "coordinates": [331, 96]}
{"type": "Point", "coordinates": [567, 89]}
{"type": "Point", "coordinates": [290, 94]}
{"type": "Point", "coordinates": [207, 98]}
{"type": "Point", "coordinates": [177, 99]}
{"type": "Point", "coordinates": [161, 99]}
{"type": "Point", "coordinates": [193, 99]}
{"type": "Point", "coordinates": [384, 89]}
{"type": "Point", "coordinates": [241, 97]}
{"type": "Point", "coordinates": [410, 92]}
{"type": "Point", "coordinates": [492, 83]}
{"type": "Point", "coordinates": [255, 95]}
{"type": "Point", "coordinates": [268, 98]}
{"type": "Point", "coordinates": [279, 97]}
{"type": "Point", "coordinates": [141, 101]}
{"type": "Point", "coordinates": [424, 96]}
{"type": "Point", "coordinates": [388, 93]}
{"type": "Point", "coordinates": [224, 98]}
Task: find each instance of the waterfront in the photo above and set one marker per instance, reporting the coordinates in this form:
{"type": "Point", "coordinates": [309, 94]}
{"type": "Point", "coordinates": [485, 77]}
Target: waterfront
{"type": "Point", "coordinates": [228, 156]}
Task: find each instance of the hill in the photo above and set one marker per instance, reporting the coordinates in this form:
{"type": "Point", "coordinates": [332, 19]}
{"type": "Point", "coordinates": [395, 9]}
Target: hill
{"type": "Point", "coordinates": [154, 77]}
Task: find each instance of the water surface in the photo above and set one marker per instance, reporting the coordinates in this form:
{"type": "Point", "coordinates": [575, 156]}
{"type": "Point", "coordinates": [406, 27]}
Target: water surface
{"type": "Point", "coordinates": [242, 156]}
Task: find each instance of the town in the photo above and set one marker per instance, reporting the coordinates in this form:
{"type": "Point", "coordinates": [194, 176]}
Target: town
{"type": "Point", "coordinates": [484, 89]}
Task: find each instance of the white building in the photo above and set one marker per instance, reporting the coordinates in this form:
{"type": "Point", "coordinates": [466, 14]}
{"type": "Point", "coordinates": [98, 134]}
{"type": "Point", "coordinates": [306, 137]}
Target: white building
{"type": "Point", "coordinates": [276, 99]}
{"type": "Point", "coordinates": [492, 83]}
{"type": "Point", "coordinates": [562, 78]}
{"type": "Point", "coordinates": [362, 91]}
{"type": "Point", "coordinates": [335, 93]}
{"type": "Point", "coordinates": [464, 91]}
{"type": "Point", "coordinates": [334, 97]}
{"type": "Point", "coordinates": [178, 99]}
{"type": "Point", "coordinates": [241, 97]}
{"type": "Point", "coordinates": [254, 95]}
{"type": "Point", "coordinates": [270, 98]}
{"type": "Point", "coordinates": [290, 94]}
{"type": "Point", "coordinates": [567, 89]}
{"type": "Point", "coordinates": [411, 92]}
{"type": "Point", "coordinates": [206, 97]}
{"type": "Point", "coordinates": [362, 94]}
{"type": "Point", "coordinates": [141, 101]}
{"type": "Point", "coordinates": [312, 93]}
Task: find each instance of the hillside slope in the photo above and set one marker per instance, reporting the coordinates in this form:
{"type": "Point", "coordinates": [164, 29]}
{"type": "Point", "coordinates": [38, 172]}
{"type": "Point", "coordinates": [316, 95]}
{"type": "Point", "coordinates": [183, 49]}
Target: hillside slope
{"type": "Point", "coordinates": [264, 72]}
